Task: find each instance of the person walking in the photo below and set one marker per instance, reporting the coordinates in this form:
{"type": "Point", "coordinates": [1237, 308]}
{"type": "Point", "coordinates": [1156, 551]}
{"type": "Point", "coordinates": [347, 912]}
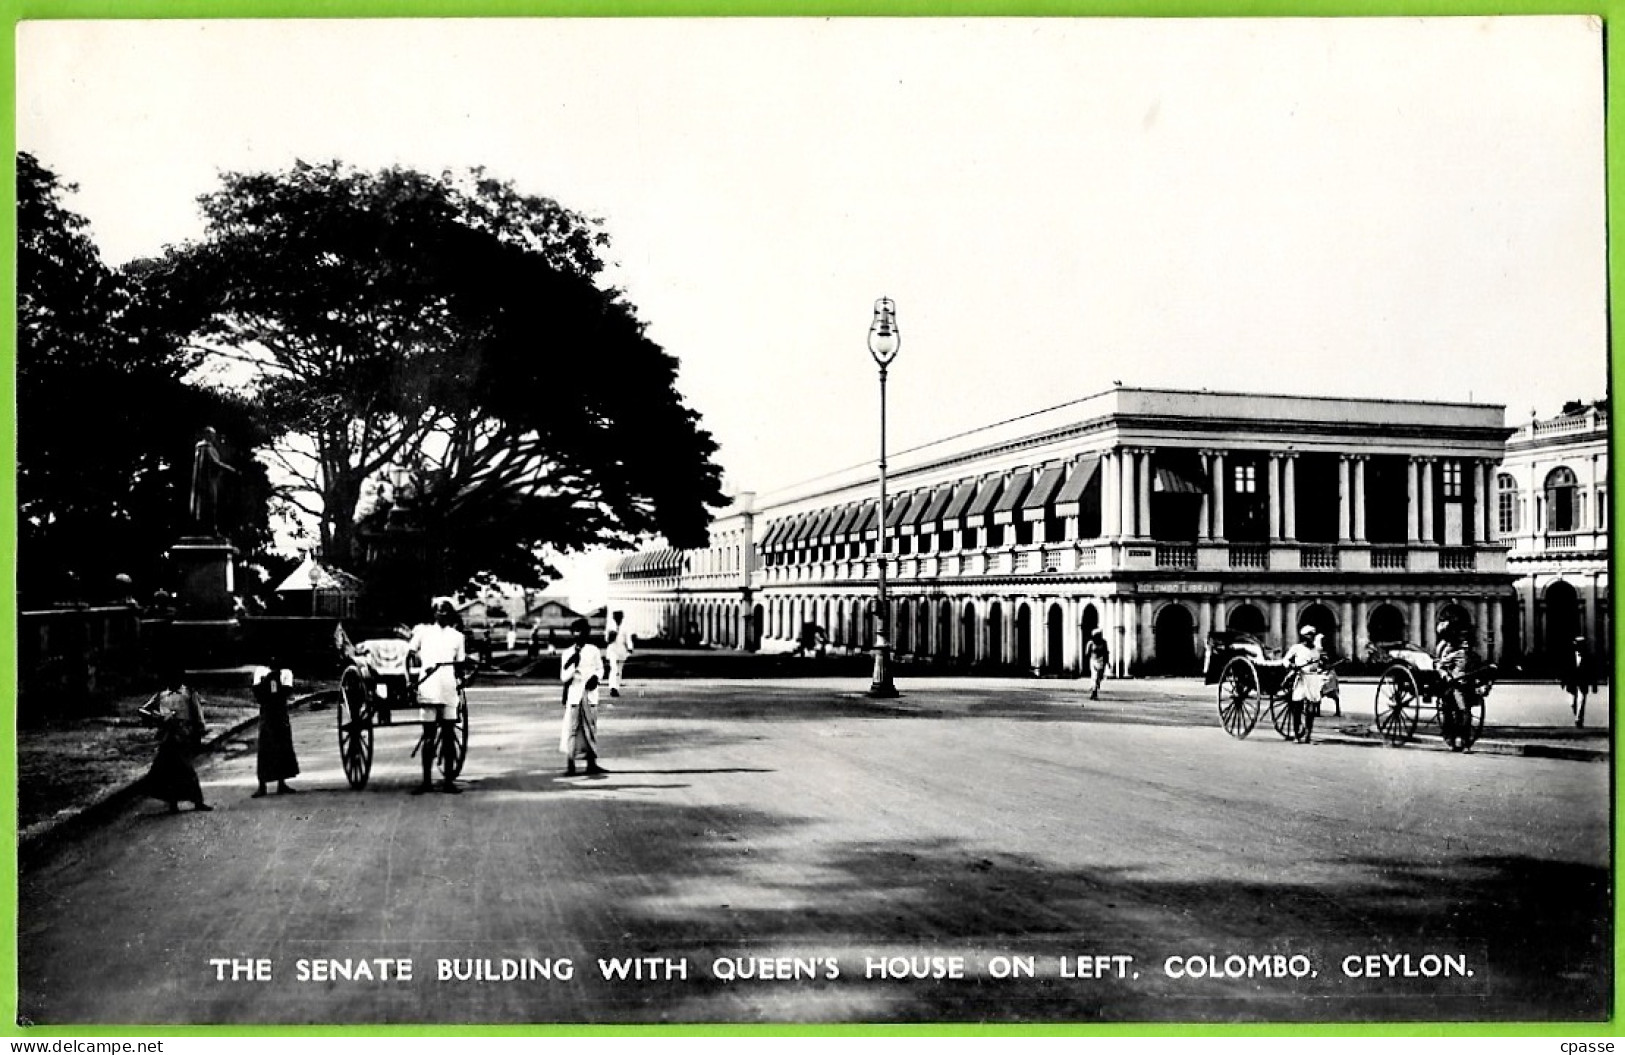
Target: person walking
{"type": "Point", "coordinates": [1098, 656]}
{"type": "Point", "coordinates": [438, 648]}
{"type": "Point", "coordinates": [178, 714]}
{"type": "Point", "coordinates": [275, 758]}
{"type": "Point", "coordinates": [581, 669]}
{"type": "Point", "coordinates": [1579, 678]}
{"type": "Point", "coordinates": [617, 650]}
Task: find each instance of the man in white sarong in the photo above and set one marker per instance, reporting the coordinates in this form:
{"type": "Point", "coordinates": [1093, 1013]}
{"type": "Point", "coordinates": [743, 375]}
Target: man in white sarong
{"type": "Point", "coordinates": [580, 670]}
{"type": "Point", "coordinates": [617, 649]}
{"type": "Point", "coordinates": [438, 648]}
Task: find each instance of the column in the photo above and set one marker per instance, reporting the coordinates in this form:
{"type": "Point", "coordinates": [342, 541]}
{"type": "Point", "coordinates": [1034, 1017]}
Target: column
{"type": "Point", "coordinates": [1481, 623]}
{"type": "Point", "coordinates": [1430, 616]}
{"type": "Point", "coordinates": [1588, 599]}
{"type": "Point", "coordinates": [1358, 632]}
{"type": "Point", "coordinates": [1204, 515]}
{"type": "Point", "coordinates": [1480, 503]}
{"type": "Point", "coordinates": [1277, 623]}
{"type": "Point", "coordinates": [1111, 509]}
{"type": "Point", "coordinates": [1413, 622]}
{"type": "Point", "coordinates": [1131, 642]}
{"type": "Point", "coordinates": [1588, 518]}
{"type": "Point", "coordinates": [1429, 534]}
{"type": "Point", "coordinates": [1143, 645]}
{"type": "Point", "coordinates": [1144, 523]}
{"type": "Point", "coordinates": [1204, 622]}
{"type": "Point", "coordinates": [1344, 498]}
{"type": "Point", "coordinates": [1220, 486]}
{"type": "Point", "coordinates": [1492, 504]}
{"type": "Point", "coordinates": [1492, 645]}
{"type": "Point", "coordinates": [1272, 481]}
{"type": "Point", "coordinates": [1069, 635]}
{"type": "Point", "coordinates": [1289, 496]}
{"type": "Point", "coordinates": [1127, 478]}
{"type": "Point", "coordinates": [1413, 504]}
{"type": "Point", "coordinates": [1345, 629]}
{"type": "Point", "coordinates": [1359, 498]}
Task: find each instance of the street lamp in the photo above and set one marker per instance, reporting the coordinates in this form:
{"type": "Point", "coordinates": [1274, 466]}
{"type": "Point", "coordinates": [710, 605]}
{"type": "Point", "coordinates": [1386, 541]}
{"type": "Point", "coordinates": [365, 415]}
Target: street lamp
{"type": "Point", "coordinates": [883, 342]}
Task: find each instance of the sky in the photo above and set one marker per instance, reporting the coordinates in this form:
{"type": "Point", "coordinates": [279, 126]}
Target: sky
{"type": "Point", "coordinates": [1400, 208]}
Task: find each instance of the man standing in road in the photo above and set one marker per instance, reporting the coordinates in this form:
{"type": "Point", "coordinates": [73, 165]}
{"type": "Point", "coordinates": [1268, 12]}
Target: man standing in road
{"type": "Point", "coordinates": [438, 648]}
{"type": "Point", "coordinates": [580, 670]}
{"type": "Point", "coordinates": [617, 650]}
{"type": "Point", "coordinates": [1099, 656]}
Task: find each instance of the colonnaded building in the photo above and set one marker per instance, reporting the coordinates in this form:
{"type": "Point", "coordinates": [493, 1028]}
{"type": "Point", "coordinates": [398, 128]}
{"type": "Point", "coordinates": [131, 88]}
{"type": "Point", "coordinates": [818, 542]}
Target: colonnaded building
{"type": "Point", "coordinates": [1156, 515]}
{"type": "Point", "coordinates": [1552, 510]}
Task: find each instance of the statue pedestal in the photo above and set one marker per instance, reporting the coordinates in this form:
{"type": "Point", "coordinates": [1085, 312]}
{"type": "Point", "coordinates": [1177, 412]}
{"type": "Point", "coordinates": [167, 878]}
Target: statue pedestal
{"type": "Point", "coordinates": [205, 629]}
{"type": "Point", "coordinates": [206, 579]}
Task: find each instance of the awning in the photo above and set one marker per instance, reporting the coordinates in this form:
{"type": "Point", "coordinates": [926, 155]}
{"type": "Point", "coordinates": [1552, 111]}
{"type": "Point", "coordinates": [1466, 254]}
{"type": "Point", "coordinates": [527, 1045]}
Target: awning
{"type": "Point", "coordinates": [1034, 506]}
{"type": "Point", "coordinates": [898, 507]}
{"type": "Point", "coordinates": [770, 538]}
{"type": "Point", "coordinates": [864, 526]}
{"type": "Point", "coordinates": [823, 525]}
{"type": "Point", "coordinates": [841, 530]}
{"type": "Point", "coordinates": [953, 514]}
{"type": "Point", "coordinates": [915, 514]}
{"type": "Point", "coordinates": [803, 529]}
{"type": "Point", "coordinates": [1173, 482]}
{"type": "Point", "coordinates": [933, 510]}
{"type": "Point", "coordinates": [986, 495]}
{"type": "Point", "coordinates": [1021, 481]}
{"type": "Point", "coordinates": [1069, 500]}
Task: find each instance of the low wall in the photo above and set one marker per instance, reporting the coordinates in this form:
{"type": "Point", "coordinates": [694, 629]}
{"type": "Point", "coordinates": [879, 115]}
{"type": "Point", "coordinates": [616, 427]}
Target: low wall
{"type": "Point", "coordinates": [71, 659]}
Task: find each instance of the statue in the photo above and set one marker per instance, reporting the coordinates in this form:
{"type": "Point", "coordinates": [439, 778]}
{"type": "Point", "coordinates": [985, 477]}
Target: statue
{"type": "Point", "coordinates": [208, 473]}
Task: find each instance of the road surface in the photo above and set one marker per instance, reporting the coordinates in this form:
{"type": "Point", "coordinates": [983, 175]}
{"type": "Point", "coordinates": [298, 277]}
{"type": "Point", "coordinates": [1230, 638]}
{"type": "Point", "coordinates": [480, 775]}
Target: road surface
{"type": "Point", "coordinates": [789, 851]}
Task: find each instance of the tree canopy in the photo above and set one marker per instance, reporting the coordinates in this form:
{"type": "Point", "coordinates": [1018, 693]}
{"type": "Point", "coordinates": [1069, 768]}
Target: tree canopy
{"type": "Point", "coordinates": [106, 420]}
{"type": "Point", "coordinates": [450, 326]}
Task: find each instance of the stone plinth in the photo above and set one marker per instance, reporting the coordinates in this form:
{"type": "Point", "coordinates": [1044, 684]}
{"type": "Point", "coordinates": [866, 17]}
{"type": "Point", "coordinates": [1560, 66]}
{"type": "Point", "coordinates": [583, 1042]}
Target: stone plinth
{"type": "Point", "coordinates": [206, 582]}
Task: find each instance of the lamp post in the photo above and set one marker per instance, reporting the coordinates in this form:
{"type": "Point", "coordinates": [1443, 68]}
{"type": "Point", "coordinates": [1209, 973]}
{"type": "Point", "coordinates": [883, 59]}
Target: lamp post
{"type": "Point", "coordinates": [883, 343]}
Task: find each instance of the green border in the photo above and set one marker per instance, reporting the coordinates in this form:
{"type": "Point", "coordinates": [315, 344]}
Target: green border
{"type": "Point", "coordinates": [17, 10]}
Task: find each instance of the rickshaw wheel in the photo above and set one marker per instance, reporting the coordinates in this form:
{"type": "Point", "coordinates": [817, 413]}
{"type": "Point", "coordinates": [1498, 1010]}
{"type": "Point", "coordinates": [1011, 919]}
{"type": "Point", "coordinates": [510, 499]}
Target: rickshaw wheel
{"type": "Point", "coordinates": [1292, 720]}
{"type": "Point", "coordinates": [1397, 705]}
{"type": "Point", "coordinates": [1463, 724]}
{"type": "Point", "coordinates": [451, 760]}
{"type": "Point", "coordinates": [355, 728]}
{"type": "Point", "coordinates": [1239, 702]}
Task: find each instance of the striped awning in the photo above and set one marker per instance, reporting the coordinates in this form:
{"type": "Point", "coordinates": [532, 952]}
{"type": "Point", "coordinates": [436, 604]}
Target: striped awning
{"type": "Point", "coordinates": [1021, 481]}
{"type": "Point", "coordinates": [824, 526]}
{"type": "Point", "coordinates": [897, 507]}
{"type": "Point", "coordinates": [986, 495]}
{"type": "Point", "coordinates": [803, 529]}
{"type": "Point", "coordinates": [1036, 505]}
{"type": "Point", "coordinates": [914, 515]}
{"type": "Point", "coordinates": [1173, 482]}
{"type": "Point", "coordinates": [846, 522]}
{"type": "Point", "coordinates": [864, 526]}
{"type": "Point", "coordinates": [953, 514]}
{"type": "Point", "coordinates": [770, 538]}
{"type": "Point", "coordinates": [932, 517]}
{"type": "Point", "coordinates": [1069, 500]}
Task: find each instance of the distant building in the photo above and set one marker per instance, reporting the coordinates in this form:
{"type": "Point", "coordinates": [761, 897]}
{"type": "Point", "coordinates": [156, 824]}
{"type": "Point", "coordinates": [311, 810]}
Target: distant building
{"type": "Point", "coordinates": [1551, 496]}
{"type": "Point", "coordinates": [1156, 515]}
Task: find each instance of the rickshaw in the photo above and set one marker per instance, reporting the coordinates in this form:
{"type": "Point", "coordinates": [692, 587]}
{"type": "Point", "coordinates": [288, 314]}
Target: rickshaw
{"type": "Point", "coordinates": [1413, 691]}
{"type": "Point", "coordinates": [379, 688]}
{"type": "Point", "coordinates": [1249, 673]}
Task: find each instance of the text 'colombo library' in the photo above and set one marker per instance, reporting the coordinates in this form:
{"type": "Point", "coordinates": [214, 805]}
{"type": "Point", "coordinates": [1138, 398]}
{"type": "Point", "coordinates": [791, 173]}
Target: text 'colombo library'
{"type": "Point", "coordinates": [1159, 516]}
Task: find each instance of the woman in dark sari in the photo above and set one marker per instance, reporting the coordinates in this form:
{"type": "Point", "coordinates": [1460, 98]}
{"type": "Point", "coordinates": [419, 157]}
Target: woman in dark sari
{"type": "Point", "coordinates": [178, 714]}
{"type": "Point", "coordinates": [273, 687]}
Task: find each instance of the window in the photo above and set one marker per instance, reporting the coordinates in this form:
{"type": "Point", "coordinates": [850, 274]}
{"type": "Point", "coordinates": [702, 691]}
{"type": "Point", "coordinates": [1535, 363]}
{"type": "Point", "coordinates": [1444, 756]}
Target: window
{"type": "Point", "coordinates": [1506, 499]}
{"type": "Point", "coordinates": [1246, 479]}
{"type": "Point", "coordinates": [1024, 532]}
{"type": "Point", "coordinates": [1451, 473]}
{"type": "Point", "coordinates": [1560, 492]}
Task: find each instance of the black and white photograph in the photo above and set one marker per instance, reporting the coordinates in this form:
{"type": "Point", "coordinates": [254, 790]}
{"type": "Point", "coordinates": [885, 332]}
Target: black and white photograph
{"type": "Point", "coordinates": [813, 521]}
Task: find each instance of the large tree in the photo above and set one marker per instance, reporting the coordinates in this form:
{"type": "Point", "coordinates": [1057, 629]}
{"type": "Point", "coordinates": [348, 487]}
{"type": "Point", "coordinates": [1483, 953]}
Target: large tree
{"type": "Point", "coordinates": [452, 325]}
{"type": "Point", "coordinates": [106, 420]}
